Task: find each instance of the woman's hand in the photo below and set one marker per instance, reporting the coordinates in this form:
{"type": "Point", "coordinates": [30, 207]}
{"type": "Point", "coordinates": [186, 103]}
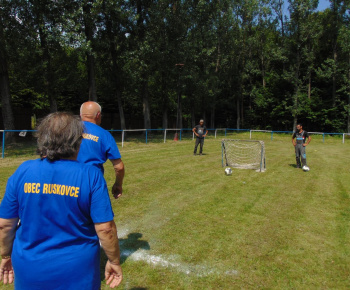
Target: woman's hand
{"type": "Point", "coordinates": [6, 271]}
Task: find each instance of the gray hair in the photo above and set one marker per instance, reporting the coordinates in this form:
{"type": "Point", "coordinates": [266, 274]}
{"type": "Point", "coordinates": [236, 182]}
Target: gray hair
{"type": "Point", "coordinates": [59, 136]}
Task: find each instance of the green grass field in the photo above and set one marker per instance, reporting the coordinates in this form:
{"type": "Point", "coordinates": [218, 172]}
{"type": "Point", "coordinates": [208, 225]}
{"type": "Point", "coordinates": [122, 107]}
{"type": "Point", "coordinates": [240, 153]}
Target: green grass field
{"type": "Point", "coordinates": [183, 224]}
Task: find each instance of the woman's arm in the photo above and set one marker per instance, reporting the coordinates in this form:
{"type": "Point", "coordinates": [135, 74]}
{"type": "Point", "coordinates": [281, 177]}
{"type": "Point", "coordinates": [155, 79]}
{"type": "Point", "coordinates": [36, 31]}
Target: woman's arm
{"type": "Point", "coordinates": [7, 235]}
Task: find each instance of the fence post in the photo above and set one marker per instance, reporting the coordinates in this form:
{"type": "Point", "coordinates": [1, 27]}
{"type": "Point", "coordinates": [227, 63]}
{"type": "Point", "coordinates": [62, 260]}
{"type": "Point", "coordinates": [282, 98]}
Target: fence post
{"type": "Point", "coordinates": [215, 132]}
{"type": "Point", "coordinates": [225, 131]}
{"type": "Point", "coordinates": [180, 134]}
{"type": "Point", "coordinates": [122, 138]}
{"type": "Point", "coordinates": [146, 136]}
{"type": "Point", "coordinates": [164, 135]}
{"type": "Point", "coordinates": [3, 144]}
{"type": "Point", "coordinates": [222, 154]}
{"type": "Point", "coordinates": [271, 135]}
{"type": "Point", "coordinates": [323, 137]}
{"type": "Point", "coordinates": [343, 138]}
{"type": "Point", "coordinates": [250, 134]}
{"type": "Point", "coordinates": [193, 136]}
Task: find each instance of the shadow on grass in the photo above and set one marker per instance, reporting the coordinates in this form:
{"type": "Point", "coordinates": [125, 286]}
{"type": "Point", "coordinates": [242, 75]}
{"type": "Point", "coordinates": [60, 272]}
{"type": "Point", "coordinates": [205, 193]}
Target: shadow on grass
{"type": "Point", "coordinates": [131, 244]}
{"type": "Point", "coordinates": [128, 246]}
{"type": "Point", "coordinates": [293, 165]}
{"type": "Point", "coordinates": [20, 148]}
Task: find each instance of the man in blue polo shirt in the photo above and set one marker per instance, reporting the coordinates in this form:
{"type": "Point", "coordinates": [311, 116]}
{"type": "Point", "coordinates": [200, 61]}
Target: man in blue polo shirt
{"type": "Point", "coordinates": [98, 145]}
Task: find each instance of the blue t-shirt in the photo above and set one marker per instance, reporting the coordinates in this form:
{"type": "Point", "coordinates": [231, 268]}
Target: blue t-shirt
{"type": "Point", "coordinates": [58, 203]}
{"type": "Point", "coordinates": [97, 146]}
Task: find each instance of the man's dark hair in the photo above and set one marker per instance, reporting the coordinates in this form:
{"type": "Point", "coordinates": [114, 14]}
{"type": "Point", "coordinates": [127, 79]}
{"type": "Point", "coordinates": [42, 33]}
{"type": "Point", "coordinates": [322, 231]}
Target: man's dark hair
{"type": "Point", "coordinates": [301, 125]}
{"type": "Point", "coordinates": [59, 136]}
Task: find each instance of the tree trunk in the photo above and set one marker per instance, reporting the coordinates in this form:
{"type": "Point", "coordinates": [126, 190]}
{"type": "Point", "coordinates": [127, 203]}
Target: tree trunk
{"type": "Point", "coordinates": [242, 111]}
{"type": "Point", "coordinates": [46, 63]}
{"type": "Point", "coordinates": [165, 113]}
{"type": "Point", "coordinates": [91, 77]}
{"type": "Point", "coordinates": [165, 117]}
{"type": "Point", "coordinates": [238, 120]}
{"type": "Point", "coordinates": [179, 112]}
{"type": "Point", "coordinates": [309, 87]}
{"type": "Point", "coordinates": [263, 64]}
{"type": "Point", "coordinates": [349, 96]}
{"type": "Point", "coordinates": [193, 115]}
{"type": "Point", "coordinates": [115, 72]}
{"type": "Point", "coordinates": [89, 32]}
{"type": "Point", "coordinates": [263, 73]}
{"type": "Point", "coordinates": [212, 117]}
{"type": "Point", "coordinates": [335, 40]}
{"type": "Point", "coordinates": [6, 105]}
{"type": "Point", "coordinates": [145, 103]}
{"type": "Point", "coordinates": [165, 103]}
{"type": "Point", "coordinates": [334, 78]}
{"type": "Point", "coordinates": [295, 106]}
{"type": "Point", "coordinates": [120, 108]}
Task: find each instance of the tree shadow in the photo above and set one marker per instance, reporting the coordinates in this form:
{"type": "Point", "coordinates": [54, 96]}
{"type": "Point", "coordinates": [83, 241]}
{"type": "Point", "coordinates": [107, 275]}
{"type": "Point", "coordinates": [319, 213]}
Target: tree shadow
{"type": "Point", "coordinates": [128, 246]}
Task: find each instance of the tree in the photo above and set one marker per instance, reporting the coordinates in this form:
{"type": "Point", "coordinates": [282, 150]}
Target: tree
{"type": "Point", "coordinates": [6, 106]}
{"type": "Point", "coordinates": [89, 30]}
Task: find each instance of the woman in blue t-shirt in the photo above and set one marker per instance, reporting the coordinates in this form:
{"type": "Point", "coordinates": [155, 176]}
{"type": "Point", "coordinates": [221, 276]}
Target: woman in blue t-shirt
{"type": "Point", "coordinates": [64, 211]}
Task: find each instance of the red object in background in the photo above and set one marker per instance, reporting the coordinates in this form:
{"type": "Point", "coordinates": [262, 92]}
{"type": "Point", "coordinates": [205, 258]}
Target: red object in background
{"type": "Point", "coordinates": [176, 137]}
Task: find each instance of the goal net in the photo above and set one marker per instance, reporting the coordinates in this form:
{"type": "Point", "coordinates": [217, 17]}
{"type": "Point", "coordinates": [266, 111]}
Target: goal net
{"type": "Point", "coordinates": [245, 154]}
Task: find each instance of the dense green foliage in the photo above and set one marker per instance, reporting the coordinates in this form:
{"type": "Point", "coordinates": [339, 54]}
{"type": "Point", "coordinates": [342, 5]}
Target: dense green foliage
{"type": "Point", "coordinates": [246, 63]}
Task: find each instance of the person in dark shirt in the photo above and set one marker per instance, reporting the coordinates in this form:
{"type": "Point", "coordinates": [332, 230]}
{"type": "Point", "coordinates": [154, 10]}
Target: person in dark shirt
{"type": "Point", "coordinates": [201, 132]}
{"type": "Point", "coordinates": [300, 143]}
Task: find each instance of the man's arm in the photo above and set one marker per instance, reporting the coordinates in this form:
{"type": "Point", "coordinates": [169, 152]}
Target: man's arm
{"type": "Point", "coordinates": [107, 234]}
{"type": "Point", "coordinates": [119, 169]}
{"type": "Point", "coordinates": [7, 236]}
{"type": "Point", "coordinates": [294, 143]}
{"type": "Point", "coordinates": [194, 130]}
{"type": "Point", "coordinates": [308, 141]}
{"type": "Point", "coordinates": [206, 132]}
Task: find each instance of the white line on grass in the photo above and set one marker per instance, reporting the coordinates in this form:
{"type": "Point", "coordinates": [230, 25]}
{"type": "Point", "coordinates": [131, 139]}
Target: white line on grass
{"type": "Point", "coordinates": [170, 261]}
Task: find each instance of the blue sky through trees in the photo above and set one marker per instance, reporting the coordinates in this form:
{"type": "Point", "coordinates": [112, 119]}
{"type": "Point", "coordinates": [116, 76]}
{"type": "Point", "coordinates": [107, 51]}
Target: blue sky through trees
{"type": "Point", "coordinates": [322, 5]}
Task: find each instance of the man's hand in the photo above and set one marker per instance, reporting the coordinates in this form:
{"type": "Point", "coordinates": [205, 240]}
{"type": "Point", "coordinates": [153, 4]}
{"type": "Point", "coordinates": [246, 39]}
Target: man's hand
{"type": "Point", "coordinates": [113, 274]}
{"type": "Point", "coordinates": [305, 144]}
{"type": "Point", "coordinates": [117, 190]}
{"type": "Point", "coordinates": [6, 271]}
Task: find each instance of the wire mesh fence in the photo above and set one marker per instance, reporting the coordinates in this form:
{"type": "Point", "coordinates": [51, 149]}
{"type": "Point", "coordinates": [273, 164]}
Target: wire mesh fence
{"type": "Point", "coordinates": [281, 135]}
{"type": "Point", "coordinates": [23, 142]}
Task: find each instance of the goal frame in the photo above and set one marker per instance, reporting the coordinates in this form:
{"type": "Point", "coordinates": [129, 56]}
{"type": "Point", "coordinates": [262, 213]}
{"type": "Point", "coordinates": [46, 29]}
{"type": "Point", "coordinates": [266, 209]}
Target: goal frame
{"type": "Point", "coordinates": [224, 162]}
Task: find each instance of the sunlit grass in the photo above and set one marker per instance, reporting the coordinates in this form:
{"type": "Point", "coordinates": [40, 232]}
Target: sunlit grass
{"type": "Point", "coordinates": [183, 224]}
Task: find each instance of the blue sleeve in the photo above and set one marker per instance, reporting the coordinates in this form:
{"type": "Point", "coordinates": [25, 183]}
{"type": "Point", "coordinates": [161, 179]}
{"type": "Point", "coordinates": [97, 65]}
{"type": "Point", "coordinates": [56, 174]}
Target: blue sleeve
{"type": "Point", "coordinates": [112, 151]}
{"type": "Point", "coordinates": [100, 208]}
{"type": "Point", "coordinates": [9, 205]}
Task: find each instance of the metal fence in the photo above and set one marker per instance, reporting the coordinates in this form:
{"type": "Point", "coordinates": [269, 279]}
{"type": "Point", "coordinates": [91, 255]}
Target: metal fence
{"type": "Point", "coordinates": [311, 133]}
{"type": "Point", "coordinates": [26, 142]}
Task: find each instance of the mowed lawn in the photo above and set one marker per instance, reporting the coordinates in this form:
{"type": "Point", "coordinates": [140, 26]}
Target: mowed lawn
{"type": "Point", "coordinates": [183, 224]}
